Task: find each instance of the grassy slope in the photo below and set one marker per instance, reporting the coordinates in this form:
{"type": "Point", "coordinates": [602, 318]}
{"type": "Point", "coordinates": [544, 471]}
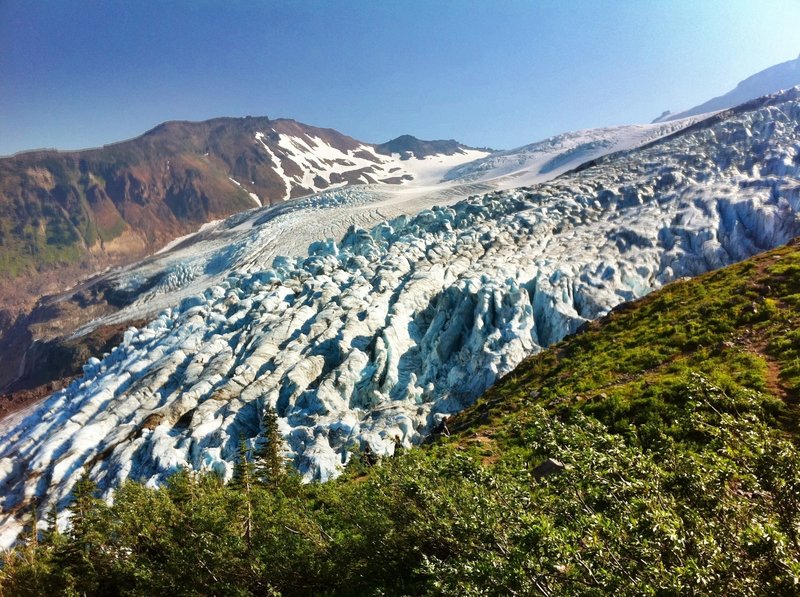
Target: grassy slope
{"type": "Point", "coordinates": [676, 420]}
{"type": "Point", "coordinates": [694, 391]}
{"type": "Point", "coordinates": [737, 326]}
{"type": "Point", "coordinates": [54, 206]}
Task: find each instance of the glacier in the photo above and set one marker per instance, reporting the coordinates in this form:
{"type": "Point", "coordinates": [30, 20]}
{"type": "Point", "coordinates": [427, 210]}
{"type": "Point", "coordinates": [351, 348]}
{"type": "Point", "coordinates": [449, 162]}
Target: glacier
{"type": "Point", "coordinates": [251, 240]}
{"type": "Point", "coordinates": [375, 337]}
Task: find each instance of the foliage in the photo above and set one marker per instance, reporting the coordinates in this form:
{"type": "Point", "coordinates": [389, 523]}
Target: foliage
{"type": "Point", "coordinates": [269, 463]}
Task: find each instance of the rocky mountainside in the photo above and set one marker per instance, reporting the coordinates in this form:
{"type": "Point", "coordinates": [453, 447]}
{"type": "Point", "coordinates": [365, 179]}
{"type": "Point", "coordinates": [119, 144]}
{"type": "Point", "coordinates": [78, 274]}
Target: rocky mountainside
{"type": "Point", "coordinates": [66, 214]}
{"type": "Point", "coordinates": [375, 338]}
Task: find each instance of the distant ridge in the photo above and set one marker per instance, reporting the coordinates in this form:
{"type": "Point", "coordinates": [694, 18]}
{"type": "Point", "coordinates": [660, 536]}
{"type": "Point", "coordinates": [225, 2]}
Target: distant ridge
{"type": "Point", "coordinates": [407, 146]}
{"type": "Point", "coordinates": [772, 79]}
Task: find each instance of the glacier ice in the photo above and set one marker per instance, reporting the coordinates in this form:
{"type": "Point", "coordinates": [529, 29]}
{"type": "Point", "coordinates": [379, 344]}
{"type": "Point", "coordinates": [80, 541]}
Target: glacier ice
{"type": "Point", "coordinates": [375, 337]}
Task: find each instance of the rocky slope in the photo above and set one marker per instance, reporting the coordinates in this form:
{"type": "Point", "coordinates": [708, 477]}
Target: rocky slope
{"type": "Point", "coordinates": [373, 339]}
{"type": "Point", "coordinates": [63, 213]}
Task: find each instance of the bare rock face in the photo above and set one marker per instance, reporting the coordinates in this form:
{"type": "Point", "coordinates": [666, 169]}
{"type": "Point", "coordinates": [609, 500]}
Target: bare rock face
{"type": "Point", "coordinates": [382, 334]}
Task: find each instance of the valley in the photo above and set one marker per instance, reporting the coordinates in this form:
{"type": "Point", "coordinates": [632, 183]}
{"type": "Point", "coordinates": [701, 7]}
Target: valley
{"type": "Point", "coordinates": [399, 298]}
{"type": "Point", "coordinates": [375, 338]}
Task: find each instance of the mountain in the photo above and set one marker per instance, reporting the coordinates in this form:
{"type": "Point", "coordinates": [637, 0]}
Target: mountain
{"type": "Point", "coordinates": [54, 339]}
{"type": "Point", "coordinates": [64, 215]}
{"type": "Point", "coordinates": [770, 80]}
{"type": "Point", "coordinates": [374, 339]}
{"type": "Point", "coordinates": [408, 146]}
{"type": "Point", "coordinates": [653, 451]}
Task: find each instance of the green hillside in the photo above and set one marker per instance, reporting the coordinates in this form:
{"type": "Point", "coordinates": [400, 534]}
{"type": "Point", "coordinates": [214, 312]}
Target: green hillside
{"type": "Point", "coordinates": [670, 427]}
{"type": "Point", "coordinates": [55, 207]}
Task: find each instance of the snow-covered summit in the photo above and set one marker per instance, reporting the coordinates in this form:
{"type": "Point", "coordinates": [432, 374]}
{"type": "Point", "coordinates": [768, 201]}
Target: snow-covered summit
{"type": "Point", "coordinates": [770, 80]}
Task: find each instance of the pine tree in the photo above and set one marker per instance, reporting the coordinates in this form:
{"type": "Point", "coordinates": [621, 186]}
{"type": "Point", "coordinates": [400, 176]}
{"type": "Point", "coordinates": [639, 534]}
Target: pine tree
{"type": "Point", "coordinates": [399, 448]}
{"type": "Point", "coordinates": [268, 458]}
{"type": "Point", "coordinates": [33, 538]}
{"type": "Point", "coordinates": [243, 482]}
{"type": "Point", "coordinates": [82, 507]}
{"type": "Point", "coordinates": [182, 488]}
{"type": "Point", "coordinates": [242, 468]}
{"type": "Point", "coordinates": [83, 556]}
{"type": "Point", "coordinates": [52, 534]}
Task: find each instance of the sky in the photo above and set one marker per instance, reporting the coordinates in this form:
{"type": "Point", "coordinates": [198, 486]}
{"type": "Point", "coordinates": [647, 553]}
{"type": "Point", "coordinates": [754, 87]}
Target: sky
{"type": "Point", "coordinates": [495, 73]}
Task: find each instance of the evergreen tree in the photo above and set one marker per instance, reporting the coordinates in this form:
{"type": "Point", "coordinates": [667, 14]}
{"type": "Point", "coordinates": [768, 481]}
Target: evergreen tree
{"type": "Point", "coordinates": [82, 508]}
{"type": "Point", "coordinates": [33, 537]}
{"type": "Point", "coordinates": [370, 458]}
{"type": "Point", "coordinates": [399, 448]}
{"type": "Point", "coordinates": [242, 482]}
{"type": "Point", "coordinates": [242, 469]}
{"type": "Point", "coordinates": [270, 466]}
{"type": "Point", "coordinates": [182, 487]}
{"type": "Point", "coordinates": [83, 557]}
{"type": "Point", "coordinates": [52, 534]}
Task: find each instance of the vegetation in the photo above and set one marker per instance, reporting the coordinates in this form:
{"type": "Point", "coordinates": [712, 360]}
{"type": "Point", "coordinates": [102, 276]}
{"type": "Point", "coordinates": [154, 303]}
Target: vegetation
{"type": "Point", "coordinates": [670, 427]}
{"type": "Point", "coordinates": [58, 207]}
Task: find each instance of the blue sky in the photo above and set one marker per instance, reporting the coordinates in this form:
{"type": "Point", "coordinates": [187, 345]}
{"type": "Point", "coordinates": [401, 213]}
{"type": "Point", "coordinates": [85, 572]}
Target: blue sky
{"type": "Point", "coordinates": [499, 73]}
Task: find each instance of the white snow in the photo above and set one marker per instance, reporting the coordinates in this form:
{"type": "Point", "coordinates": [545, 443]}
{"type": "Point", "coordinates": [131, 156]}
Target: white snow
{"type": "Point", "coordinates": [770, 80]}
{"type": "Point", "coordinates": [289, 229]}
{"type": "Point", "coordinates": [177, 241]}
{"type": "Point", "coordinates": [276, 163]}
{"type": "Point", "coordinates": [538, 162]}
{"type": "Point", "coordinates": [432, 169]}
{"type": "Point", "coordinates": [317, 159]}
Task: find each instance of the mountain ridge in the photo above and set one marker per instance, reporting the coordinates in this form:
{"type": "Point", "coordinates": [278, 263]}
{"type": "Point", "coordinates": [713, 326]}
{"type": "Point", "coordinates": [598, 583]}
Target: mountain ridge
{"type": "Point", "coordinates": [80, 210]}
{"type": "Point", "coordinates": [770, 80]}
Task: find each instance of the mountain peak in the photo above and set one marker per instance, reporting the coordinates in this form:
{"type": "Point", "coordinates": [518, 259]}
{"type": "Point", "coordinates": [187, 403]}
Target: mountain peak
{"type": "Point", "coordinates": [408, 146]}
